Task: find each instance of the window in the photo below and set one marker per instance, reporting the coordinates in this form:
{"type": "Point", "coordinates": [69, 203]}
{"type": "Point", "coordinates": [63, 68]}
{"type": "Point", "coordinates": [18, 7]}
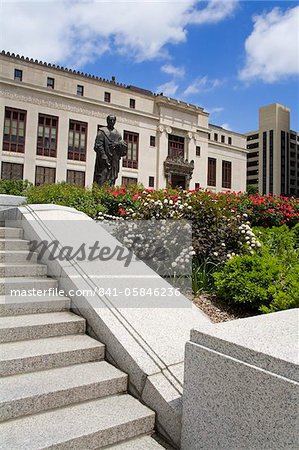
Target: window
{"type": "Point", "coordinates": [215, 137]}
{"type": "Point", "coordinates": [252, 137]}
{"type": "Point", "coordinates": [223, 139]}
{"type": "Point", "coordinates": [44, 175]}
{"type": "Point", "coordinates": [50, 83]}
{"type": "Point", "coordinates": [176, 147]}
{"type": "Point", "coordinates": [77, 140]}
{"type": "Point", "coordinates": [226, 174]}
{"type": "Point", "coordinates": [132, 103]}
{"type": "Point", "coordinates": [75, 177]}
{"type": "Point", "coordinates": [252, 163]}
{"type": "Point", "coordinates": [11, 171]}
{"type": "Point", "coordinates": [14, 130]}
{"type": "Point", "coordinates": [151, 182]}
{"type": "Point", "coordinates": [197, 150]}
{"type": "Point", "coordinates": [131, 158]}
{"type": "Point", "coordinates": [252, 172]}
{"type": "Point", "coordinates": [229, 141]}
{"type": "Point", "coordinates": [127, 181]}
{"type": "Point", "coordinates": [47, 135]}
{"type": "Point", "coordinates": [211, 172]}
{"type": "Point", "coordinates": [153, 141]}
{"type": "Point", "coordinates": [107, 97]}
{"type": "Point", "coordinates": [197, 186]}
{"type": "Point", "coordinates": [250, 146]}
{"type": "Point", "coordinates": [209, 136]}
{"type": "Point", "coordinates": [264, 162]}
{"type": "Point", "coordinates": [80, 90]}
{"type": "Point", "coordinates": [293, 136]}
{"type": "Point", "coordinates": [253, 181]}
{"type": "Point", "coordinates": [252, 155]}
{"type": "Point", "coordinates": [18, 75]}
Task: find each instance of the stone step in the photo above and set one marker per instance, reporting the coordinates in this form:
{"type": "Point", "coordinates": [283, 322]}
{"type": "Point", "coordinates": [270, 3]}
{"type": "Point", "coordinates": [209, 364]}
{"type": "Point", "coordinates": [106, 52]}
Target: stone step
{"type": "Point", "coordinates": [139, 443]}
{"type": "Point", "coordinates": [14, 244]}
{"type": "Point", "coordinates": [36, 326]}
{"type": "Point", "coordinates": [87, 425]}
{"type": "Point", "coordinates": [16, 305]}
{"type": "Point", "coordinates": [48, 353]}
{"type": "Point", "coordinates": [17, 256]}
{"type": "Point", "coordinates": [26, 284]}
{"type": "Point", "coordinates": [27, 269]}
{"type": "Point", "coordinates": [40, 391]}
{"type": "Point", "coordinates": [11, 233]}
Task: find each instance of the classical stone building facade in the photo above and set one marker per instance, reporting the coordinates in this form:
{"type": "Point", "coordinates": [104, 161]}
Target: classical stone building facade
{"type": "Point", "coordinates": [273, 158]}
{"type": "Point", "coordinates": [50, 115]}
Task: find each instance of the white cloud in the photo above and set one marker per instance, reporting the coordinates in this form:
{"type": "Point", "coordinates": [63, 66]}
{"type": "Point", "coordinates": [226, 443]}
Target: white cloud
{"type": "Point", "coordinates": [215, 111]}
{"type": "Point", "coordinates": [215, 11]}
{"type": "Point", "coordinates": [201, 85]}
{"type": "Point", "coordinates": [272, 48]}
{"type": "Point", "coordinates": [168, 89]}
{"type": "Point", "coordinates": [226, 126]}
{"type": "Point", "coordinates": [178, 72]}
{"type": "Point", "coordinates": [75, 32]}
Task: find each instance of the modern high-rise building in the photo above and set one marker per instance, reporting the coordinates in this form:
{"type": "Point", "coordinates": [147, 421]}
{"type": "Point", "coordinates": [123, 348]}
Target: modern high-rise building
{"type": "Point", "coordinates": [50, 115]}
{"type": "Point", "coordinates": [273, 158]}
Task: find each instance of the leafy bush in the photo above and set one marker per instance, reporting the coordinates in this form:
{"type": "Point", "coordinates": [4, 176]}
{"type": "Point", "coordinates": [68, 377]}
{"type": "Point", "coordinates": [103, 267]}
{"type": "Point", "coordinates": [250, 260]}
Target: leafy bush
{"type": "Point", "coordinates": [14, 187]}
{"type": "Point", "coordinates": [68, 195]}
{"type": "Point", "coordinates": [267, 280]}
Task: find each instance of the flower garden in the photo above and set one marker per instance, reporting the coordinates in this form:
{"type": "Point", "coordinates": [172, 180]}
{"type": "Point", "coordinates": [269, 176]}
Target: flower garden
{"type": "Point", "coordinates": [245, 246]}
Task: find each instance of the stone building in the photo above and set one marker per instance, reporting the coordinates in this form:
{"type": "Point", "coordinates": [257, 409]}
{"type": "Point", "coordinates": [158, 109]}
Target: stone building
{"type": "Point", "coordinates": [50, 116]}
{"type": "Point", "coordinates": [273, 158]}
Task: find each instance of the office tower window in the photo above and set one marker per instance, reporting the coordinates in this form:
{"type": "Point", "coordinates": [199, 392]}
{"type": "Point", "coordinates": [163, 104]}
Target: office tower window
{"type": "Point", "coordinates": [47, 135]}
{"type": "Point", "coordinates": [264, 162]}
{"type": "Point", "coordinates": [151, 182]}
{"type": "Point", "coordinates": [14, 130]}
{"type": "Point", "coordinates": [44, 175]}
{"type": "Point", "coordinates": [271, 161]}
{"type": "Point", "coordinates": [18, 75]}
{"type": "Point", "coordinates": [251, 146]}
{"type": "Point", "coordinates": [197, 150]}
{"type": "Point", "coordinates": [132, 103]}
{"type": "Point", "coordinates": [80, 90]}
{"type": "Point", "coordinates": [211, 172]}
{"type": "Point", "coordinates": [131, 158]}
{"type": "Point", "coordinates": [252, 137]}
{"type": "Point", "coordinates": [252, 155]}
{"type": "Point", "coordinates": [226, 174]}
{"type": "Point", "coordinates": [107, 97]}
{"type": "Point", "coordinates": [11, 171]}
{"type": "Point", "coordinates": [77, 140]}
{"type": "Point", "coordinates": [75, 177]}
{"type": "Point", "coordinates": [176, 146]}
{"type": "Point", "coordinates": [50, 83]}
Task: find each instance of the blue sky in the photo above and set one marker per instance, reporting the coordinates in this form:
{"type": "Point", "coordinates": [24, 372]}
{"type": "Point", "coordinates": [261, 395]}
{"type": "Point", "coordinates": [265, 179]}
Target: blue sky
{"type": "Point", "coordinates": [228, 56]}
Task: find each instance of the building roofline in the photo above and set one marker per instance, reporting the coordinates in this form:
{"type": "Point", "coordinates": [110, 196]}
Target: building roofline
{"type": "Point", "coordinates": [217, 127]}
{"type": "Point", "coordinates": [112, 82]}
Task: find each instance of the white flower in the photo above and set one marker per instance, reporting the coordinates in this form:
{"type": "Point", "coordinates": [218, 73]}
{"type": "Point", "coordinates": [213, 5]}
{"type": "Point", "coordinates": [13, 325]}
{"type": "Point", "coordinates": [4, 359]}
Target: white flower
{"type": "Point", "coordinates": [258, 244]}
{"type": "Point", "coordinates": [174, 264]}
{"type": "Point", "coordinates": [215, 254]}
{"type": "Point", "coordinates": [223, 244]}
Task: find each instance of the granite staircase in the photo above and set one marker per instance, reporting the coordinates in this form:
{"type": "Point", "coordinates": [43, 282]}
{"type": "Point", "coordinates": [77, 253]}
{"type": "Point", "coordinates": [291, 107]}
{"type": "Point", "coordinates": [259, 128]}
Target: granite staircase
{"type": "Point", "coordinates": [57, 390]}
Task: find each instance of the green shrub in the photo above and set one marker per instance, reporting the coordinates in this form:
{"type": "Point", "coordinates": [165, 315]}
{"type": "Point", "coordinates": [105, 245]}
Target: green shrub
{"type": "Point", "coordinates": [14, 187]}
{"type": "Point", "coordinates": [68, 195]}
{"type": "Point", "coordinates": [261, 281]}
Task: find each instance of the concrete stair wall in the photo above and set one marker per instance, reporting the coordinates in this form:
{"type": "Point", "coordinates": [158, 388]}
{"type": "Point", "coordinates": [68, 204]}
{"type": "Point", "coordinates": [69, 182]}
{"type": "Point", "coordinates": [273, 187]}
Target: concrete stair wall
{"type": "Point", "coordinates": [57, 391]}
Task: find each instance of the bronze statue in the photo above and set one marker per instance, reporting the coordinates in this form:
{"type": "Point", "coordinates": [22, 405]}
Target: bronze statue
{"type": "Point", "coordinates": [109, 147]}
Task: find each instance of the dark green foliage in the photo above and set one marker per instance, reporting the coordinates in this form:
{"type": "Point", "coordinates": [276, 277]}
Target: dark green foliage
{"type": "Point", "coordinates": [14, 187]}
{"type": "Point", "coordinates": [267, 280]}
{"type": "Point", "coordinates": [68, 195]}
